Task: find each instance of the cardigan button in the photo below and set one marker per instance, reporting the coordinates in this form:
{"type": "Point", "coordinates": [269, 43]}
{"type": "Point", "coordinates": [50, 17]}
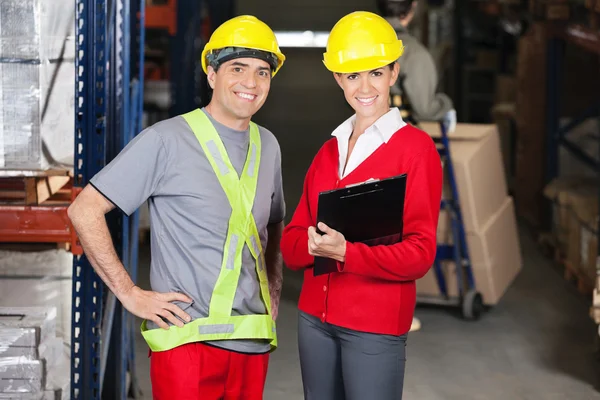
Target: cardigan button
{"type": "Point", "coordinates": [324, 288]}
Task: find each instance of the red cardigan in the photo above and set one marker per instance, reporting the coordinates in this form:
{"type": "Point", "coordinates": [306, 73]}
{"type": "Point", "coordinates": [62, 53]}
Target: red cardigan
{"type": "Point", "coordinates": [375, 289]}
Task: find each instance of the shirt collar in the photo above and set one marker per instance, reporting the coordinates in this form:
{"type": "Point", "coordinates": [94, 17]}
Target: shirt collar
{"type": "Point", "coordinates": [385, 126]}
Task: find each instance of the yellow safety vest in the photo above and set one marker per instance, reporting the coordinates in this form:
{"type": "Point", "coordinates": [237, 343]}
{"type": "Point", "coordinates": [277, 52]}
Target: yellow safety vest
{"type": "Point", "coordinates": [220, 324]}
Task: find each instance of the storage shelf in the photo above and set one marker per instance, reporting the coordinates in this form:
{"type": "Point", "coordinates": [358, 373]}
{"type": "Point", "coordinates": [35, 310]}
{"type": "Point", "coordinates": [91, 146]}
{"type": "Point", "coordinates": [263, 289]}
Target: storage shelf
{"type": "Point", "coordinates": [108, 103]}
{"type": "Point", "coordinates": [559, 36]}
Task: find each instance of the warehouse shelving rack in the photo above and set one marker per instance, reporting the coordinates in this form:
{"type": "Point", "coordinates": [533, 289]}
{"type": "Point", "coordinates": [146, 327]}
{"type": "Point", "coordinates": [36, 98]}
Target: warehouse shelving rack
{"type": "Point", "coordinates": [110, 43]}
{"type": "Point", "coordinates": [108, 114]}
{"type": "Point", "coordinates": [557, 136]}
{"type": "Point", "coordinates": [589, 40]}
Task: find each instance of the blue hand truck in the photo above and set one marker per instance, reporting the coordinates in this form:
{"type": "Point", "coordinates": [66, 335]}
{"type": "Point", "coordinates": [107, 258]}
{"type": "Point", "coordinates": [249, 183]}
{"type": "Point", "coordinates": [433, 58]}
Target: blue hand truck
{"type": "Point", "coordinates": [469, 300]}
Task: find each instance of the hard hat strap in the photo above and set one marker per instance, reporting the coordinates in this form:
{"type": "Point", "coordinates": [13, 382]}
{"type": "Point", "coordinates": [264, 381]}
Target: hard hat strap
{"type": "Point", "coordinates": [220, 56]}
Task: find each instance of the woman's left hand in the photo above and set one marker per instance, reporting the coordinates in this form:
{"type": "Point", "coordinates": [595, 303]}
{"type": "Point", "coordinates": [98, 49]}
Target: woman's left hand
{"type": "Point", "coordinates": [332, 244]}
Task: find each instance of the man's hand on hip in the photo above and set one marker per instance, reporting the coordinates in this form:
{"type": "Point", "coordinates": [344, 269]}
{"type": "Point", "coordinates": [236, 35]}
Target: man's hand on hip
{"type": "Point", "coordinates": [154, 306]}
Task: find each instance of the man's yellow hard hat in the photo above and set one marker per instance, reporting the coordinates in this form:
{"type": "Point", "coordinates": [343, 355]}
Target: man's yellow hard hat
{"type": "Point", "coordinates": [361, 41]}
{"type": "Point", "coordinates": [244, 32]}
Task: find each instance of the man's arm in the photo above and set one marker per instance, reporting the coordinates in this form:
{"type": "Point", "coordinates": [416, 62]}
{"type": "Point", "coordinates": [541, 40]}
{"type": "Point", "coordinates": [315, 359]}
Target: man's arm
{"type": "Point", "coordinates": [274, 263]}
{"type": "Point", "coordinates": [87, 213]}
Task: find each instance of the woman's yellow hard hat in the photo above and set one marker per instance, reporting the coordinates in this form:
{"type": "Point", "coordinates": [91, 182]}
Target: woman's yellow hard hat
{"type": "Point", "coordinates": [247, 32]}
{"type": "Point", "coordinates": [361, 41]}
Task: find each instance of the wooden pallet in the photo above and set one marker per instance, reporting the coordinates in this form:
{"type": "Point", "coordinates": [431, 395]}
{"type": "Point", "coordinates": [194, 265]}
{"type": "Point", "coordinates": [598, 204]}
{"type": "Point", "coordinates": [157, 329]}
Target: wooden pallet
{"type": "Point", "coordinates": [550, 249]}
{"type": "Point", "coordinates": [33, 208]}
{"type": "Point", "coordinates": [42, 188]}
{"type": "Point", "coordinates": [582, 282]}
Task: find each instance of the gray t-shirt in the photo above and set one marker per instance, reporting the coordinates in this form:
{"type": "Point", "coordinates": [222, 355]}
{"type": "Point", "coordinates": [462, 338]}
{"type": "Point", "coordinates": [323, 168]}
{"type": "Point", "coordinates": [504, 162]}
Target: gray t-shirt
{"type": "Point", "coordinates": [189, 211]}
{"type": "Point", "coordinates": [420, 80]}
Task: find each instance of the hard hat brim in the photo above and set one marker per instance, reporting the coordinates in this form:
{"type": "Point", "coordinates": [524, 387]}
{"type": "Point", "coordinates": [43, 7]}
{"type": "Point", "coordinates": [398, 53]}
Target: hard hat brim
{"type": "Point", "coordinates": [361, 64]}
{"type": "Point", "coordinates": [280, 57]}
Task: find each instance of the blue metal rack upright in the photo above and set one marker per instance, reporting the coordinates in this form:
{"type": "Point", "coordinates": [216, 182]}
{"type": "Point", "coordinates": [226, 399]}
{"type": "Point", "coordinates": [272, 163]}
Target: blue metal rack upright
{"type": "Point", "coordinates": [108, 93]}
{"type": "Point", "coordinates": [185, 52]}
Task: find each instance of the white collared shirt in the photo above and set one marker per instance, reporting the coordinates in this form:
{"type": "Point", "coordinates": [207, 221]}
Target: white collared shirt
{"type": "Point", "coordinates": [373, 137]}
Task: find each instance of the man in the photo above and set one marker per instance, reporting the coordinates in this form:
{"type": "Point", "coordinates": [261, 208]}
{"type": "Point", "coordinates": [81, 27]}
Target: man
{"type": "Point", "coordinates": [418, 79]}
{"type": "Point", "coordinates": [212, 179]}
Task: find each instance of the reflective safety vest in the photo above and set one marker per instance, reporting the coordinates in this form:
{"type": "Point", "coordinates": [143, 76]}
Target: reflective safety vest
{"type": "Point", "coordinates": [220, 324]}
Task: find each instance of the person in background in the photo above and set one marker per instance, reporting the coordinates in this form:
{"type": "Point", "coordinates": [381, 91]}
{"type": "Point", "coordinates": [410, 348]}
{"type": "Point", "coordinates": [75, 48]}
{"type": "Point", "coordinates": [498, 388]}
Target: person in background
{"type": "Point", "coordinates": [213, 181]}
{"type": "Point", "coordinates": [418, 78]}
{"type": "Point", "coordinates": [353, 323]}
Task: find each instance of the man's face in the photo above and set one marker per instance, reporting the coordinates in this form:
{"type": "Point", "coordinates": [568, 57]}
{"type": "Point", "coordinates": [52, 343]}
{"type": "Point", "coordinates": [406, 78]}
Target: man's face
{"type": "Point", "coordinates": [241, 86]}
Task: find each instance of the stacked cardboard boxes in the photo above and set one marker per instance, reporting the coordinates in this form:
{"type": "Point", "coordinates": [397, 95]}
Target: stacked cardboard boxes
{"type": "Point", "coordinates": [488, 213]}
{"type": "Point", "coordinates": [32, 362]}
{"type": "Point", "coordinates": [504, 116]}
{"type": "Point", "coordinates": [575, 223]}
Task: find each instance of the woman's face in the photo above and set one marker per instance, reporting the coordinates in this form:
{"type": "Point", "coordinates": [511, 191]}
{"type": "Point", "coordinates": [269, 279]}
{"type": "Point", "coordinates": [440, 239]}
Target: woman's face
{"type": "Point", "coordinates": [368, 92]}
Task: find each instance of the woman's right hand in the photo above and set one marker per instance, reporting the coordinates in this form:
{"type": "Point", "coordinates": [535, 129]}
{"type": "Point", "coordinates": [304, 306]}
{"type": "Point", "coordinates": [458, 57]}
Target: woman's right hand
{"type": "Point", "coordinates": [332, 244]}
{"type": "Point", "coordinates": [155, 306]}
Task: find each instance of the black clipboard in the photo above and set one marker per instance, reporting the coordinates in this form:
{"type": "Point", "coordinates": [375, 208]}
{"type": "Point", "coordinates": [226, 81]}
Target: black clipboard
{"type": "Point", "coordinates": [371, 212]}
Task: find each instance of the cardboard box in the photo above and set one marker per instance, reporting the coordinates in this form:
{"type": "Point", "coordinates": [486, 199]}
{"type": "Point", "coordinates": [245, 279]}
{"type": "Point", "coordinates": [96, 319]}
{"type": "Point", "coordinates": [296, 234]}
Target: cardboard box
{"type": "Point", "coordinates": [495, 257]}
{"type": "Point", "coordinates": [504, 116]}
{"type": "Point", "coordinates": [479, 170]}
{"type": "Point", "coordinates": [583, 235]}
{"type": "Point", "coordinates": [564, 193]}
{"type": "Point", "coordinates": [588, 247]}
{"type": "Point", "coordinates": [530, 158]}
{"type": "Point", "coordinates": [560, 212]}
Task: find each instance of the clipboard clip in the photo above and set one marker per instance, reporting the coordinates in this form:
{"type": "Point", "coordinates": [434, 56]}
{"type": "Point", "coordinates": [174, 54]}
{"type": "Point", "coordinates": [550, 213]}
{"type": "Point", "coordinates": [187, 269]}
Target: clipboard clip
{"type": "Point", "coordinates": [362, 183]}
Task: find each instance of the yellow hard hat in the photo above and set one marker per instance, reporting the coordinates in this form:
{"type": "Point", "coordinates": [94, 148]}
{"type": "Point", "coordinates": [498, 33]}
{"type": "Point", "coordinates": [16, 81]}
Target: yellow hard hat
{"type": "Point", "coordinates": [245, 32]}
{"type": "Point", "coordinates": [361, 41]}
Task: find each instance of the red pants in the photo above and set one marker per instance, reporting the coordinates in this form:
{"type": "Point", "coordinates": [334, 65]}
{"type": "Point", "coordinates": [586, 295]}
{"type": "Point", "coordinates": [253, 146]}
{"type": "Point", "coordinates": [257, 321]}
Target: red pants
{"type": "Point", "coordinates": [199, 371]}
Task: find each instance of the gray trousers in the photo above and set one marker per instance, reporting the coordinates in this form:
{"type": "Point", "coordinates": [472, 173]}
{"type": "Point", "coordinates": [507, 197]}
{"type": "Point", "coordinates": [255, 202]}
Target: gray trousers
{"type": "Point", "coordinates": [342, 364]}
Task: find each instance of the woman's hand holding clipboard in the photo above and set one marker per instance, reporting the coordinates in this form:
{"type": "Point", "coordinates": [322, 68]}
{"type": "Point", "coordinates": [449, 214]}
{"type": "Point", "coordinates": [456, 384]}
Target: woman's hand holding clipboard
{"type": "Point", "coordinates": [326, 242]}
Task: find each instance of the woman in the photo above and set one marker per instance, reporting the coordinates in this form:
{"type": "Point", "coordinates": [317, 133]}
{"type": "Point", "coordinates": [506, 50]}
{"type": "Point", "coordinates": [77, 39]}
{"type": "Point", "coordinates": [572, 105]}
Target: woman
{"type": "Point", "coordinates": [353, 322]}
